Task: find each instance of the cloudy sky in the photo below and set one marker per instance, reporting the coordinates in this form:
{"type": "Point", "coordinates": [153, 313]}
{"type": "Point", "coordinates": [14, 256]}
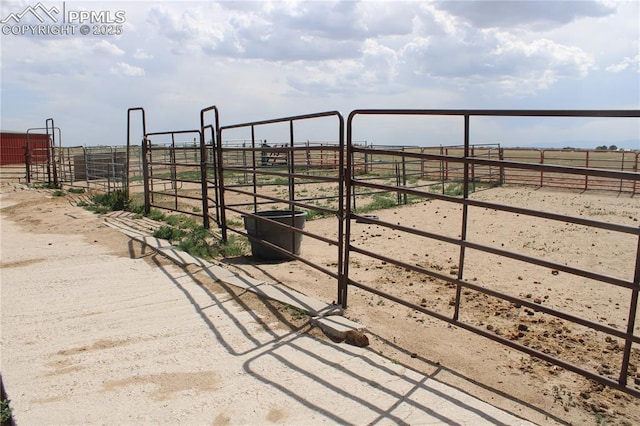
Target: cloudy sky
{"type": "Point", "coordinates": [258, 60]}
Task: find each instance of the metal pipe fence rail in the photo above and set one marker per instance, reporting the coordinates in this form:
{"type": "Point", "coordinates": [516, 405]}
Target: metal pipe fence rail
{"type": "Point", "coordinates": [600, 159]}
{"type": "Point", "coordinates": [172, 174]}
{"type": "Point", "coordinates": [99, 168]}
{"type": "Point", "coordinates": [464, 242]}
{"type": "Point", "coordinates": [209, 165]}
{"type": "Point", "coordinates": [380, 163]}
{"type": "Point", "coordinates": [245, 198]}
{"type": "Point", "coordinates": [40, 158]}
{"type": "Point", "coordinates": [243, 178]}
{"type": "Point", "coordinates": [69, 167]}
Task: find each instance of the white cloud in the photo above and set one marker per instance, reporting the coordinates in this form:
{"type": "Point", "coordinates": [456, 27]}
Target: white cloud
{"type": "Point", "coordinates": [533, 15]}
{"type": "Point", "coordinates": [626, 63]}
{"type": "Point", "coordinates": [103, 46]}
{"type": "Point", "coordinates": [259, 60]}
{"type": "Point", "coordinates": [122, 68]}
{"type": "Point", "coordinates": [141, 54]}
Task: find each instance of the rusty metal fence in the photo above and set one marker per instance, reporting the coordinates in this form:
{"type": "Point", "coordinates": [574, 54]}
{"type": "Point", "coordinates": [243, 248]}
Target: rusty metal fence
{"type": "Point", "coordinates": [231, 175]}
{"type": "Point", "coordinates": [597, 159]}
{"type": "Point", "coordinates": [172, 172]}
{"type": "Point", "coordinates": [462, 293]}
{"type": "Point", "coordinates": [178, 168]}
{"type": "Point", "coordinates": [41, 159]}
{"type": "Point", "coordinates": [257, 179]}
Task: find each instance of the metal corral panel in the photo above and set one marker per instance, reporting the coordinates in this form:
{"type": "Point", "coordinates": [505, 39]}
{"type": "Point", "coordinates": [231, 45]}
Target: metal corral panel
{"type": "Point", "coordinates": [13, 145]}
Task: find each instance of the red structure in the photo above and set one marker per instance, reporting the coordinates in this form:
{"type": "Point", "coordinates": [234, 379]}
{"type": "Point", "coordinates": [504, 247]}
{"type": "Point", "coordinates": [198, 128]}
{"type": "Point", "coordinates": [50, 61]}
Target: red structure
{"type": "Point", "coordinates": [13, 147]}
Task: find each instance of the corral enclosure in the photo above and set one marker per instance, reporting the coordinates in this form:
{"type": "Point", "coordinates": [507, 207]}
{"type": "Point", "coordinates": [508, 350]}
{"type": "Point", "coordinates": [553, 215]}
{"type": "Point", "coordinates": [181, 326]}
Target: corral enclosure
{"type": "Point", "coordinates": [460, 228]}
{"type": "Point", "coordinates": [462, 269]}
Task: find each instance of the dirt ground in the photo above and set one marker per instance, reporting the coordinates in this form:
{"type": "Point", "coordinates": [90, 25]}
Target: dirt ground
{"type": "Point", "coordinates": [508, 379]}
{"type": "Point", "coordinates": [426, 343]}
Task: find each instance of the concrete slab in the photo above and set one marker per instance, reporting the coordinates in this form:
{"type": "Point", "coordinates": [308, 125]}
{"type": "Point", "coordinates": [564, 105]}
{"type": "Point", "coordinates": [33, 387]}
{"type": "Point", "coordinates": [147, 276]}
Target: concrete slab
{"type": "Point", "coordinates": [89, 337]}
{"type": "Point", "coordinates": [183, 258]}
{"type": "Point", "coordinates": [293, 298]}
{"type": "Point", "coordinates": [235, 279]}
{"type": "Point", "coordinates": [282, 294]}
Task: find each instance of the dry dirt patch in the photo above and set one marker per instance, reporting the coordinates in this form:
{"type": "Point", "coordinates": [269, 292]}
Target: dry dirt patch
{"type": "Point", "coordinates": [428, 344]}
{"type": "Point", "coordinates": [505, 378]}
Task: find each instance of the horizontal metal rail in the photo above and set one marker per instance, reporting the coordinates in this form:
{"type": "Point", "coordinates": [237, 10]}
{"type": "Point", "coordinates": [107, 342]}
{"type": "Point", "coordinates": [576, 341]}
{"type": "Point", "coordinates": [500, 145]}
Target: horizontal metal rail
{"type": "Point", "coordinates": [361, 170]}
{"type": "Point", "coordinates": [254, 161]}
{"type": "Point", "coordinates": [469, 164]}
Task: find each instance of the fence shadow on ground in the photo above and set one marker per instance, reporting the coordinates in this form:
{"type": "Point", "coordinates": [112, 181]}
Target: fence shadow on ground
{"type": "Point", "coordinates": [339, 383]}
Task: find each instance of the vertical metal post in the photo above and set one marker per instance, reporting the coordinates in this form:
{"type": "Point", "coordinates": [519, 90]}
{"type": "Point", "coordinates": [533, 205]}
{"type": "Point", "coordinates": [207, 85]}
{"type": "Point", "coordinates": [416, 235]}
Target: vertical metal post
{"type": "Point", "coordinates": [223, 213]}
{"type": "Point", "coordinates": [404, 178]}
{"type": "Point", "coordinates": [292, 185]}
{"type": "Point", "coordinates": [501, 158]}
{"type": "Point", "coordinates": [633, 307]}
{"type": "Point", "coordinates": [204, 178]}
{"type": "Point", "coordinates": [586, 165]}
{"type": "Point", "coordinates": [442, 169]}
{"type": "Point", "coordinates": [351, 156]}
{"type": "Point", "coordinates": [253, 166]}
{"type": "Point", "coordinates": [398, 193]}
{"type": "Point", "coordinates": [343, 284]}
{"type": "Point", "coordinates": [465, 212]}
{"type": "Point", "coordinates": [144, 133]}
{"type": "Point", "coordinates": [446, 170]}
{"type": "Point", "coordinates": [173, 170]}
{"type": "Point", "coordinates": [244, 160]}
{"type": "Point", "coordinates": [366, 159]}
{"type": "Point", "coordinates": [53, 150]}
{"type": "Point", "coordinates": [621, 169]}
{"type": "Point", "coordinates": [145, 175]}
{"type": "Point", "coordinates": [48, 159]}
{"type": "Point", "coordinates": [27, 159]}
{"type": "Point", "coordinates": [473, 170]}
{"type": "Point", "coordinates": [635, 169]}
{"type": "Point", "coordinates": [342, 202]}
{"type": "Point", "coordinates": [541, 162]}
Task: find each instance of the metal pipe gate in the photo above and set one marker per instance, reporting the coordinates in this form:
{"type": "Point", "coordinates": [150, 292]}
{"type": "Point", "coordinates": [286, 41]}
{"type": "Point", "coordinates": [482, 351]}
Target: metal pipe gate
{"type": "Point", "coordinates": [464, 244]}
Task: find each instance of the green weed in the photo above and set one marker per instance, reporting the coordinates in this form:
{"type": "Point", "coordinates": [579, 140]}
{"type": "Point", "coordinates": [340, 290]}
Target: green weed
{"type": "Point", "coordinates": [156, 214]}
{"type": "Point", "coordinates": [173, 220]}
{"type": "Point", "coordinates": [45, 186]}
{"type": "Point", "coordinates": [5, 412]}
{"type": "Point", "coordinates": [109, 202]}
{"type": "Point", "coordinates": [199, 242]}
{"type": "Point", "coordinates": [454, 189]}
{"type": "Point", "coordinates": [296, 313]}
{"type": "Point", "coordinates": [186, 235]}
{"type": "Point", "coordinates": [169, 233]}
{"type": "Point", "coordinates": [113, 201]}
{"type": "Point", "coordinates": [234, 223]}
{"type": "Point", "coordinates": [379, 202]}
{"type": "Point", "coordinates": [315, 214]}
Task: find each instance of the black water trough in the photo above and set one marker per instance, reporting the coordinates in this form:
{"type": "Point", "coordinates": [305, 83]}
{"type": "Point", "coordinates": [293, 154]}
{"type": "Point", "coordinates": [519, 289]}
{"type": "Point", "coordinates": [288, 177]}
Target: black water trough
{"type": "Point", "coordinates": [274, 234]}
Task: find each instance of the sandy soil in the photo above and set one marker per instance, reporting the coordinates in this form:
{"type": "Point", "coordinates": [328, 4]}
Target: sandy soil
{"type": "Point", "coordinates": [505, 378]}
{"type": "Point", "coordinates": [424, 342]}
{"type": "Point", "coordinates": [97, 329]}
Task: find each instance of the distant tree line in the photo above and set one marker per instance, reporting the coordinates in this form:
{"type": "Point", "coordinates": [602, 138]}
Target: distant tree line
{"type": "Point", "coordinates": [605, 148]}
{"type": "Point", "coordinates": [599, 148]}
